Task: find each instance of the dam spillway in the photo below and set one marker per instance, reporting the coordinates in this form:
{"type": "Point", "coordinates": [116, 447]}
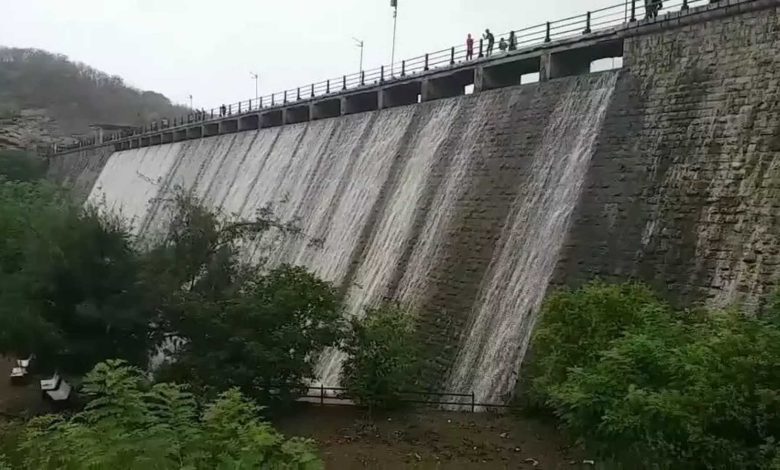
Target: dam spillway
{"type": "Point", "coordinates": [361, 183]}
{"type": "Point", "coordinates": [471, 208]}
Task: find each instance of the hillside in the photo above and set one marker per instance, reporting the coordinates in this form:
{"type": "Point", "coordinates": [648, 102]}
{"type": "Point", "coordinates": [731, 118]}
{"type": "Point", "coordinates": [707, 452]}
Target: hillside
{"type": "Point", "coordinates": [46, 98]}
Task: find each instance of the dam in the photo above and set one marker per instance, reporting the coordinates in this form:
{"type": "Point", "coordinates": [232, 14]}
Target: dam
{"type": "Point", "coordinates": [471, 207]}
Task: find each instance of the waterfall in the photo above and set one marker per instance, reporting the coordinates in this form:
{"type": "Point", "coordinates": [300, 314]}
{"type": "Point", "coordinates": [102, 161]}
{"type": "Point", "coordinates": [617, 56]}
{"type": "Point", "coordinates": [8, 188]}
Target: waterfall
{"type": "Point", "coordinates": [383, 195]}
{"type": "Point", "coordinates": [525, 256]}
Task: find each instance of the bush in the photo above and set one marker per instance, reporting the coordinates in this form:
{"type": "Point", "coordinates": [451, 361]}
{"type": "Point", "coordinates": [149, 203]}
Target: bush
{"type": "Point", "coordinates": [21, 166]}
{"type": "Point", "coordinates": [669, 390]}
{"type": "Point", "coordinates": [129, 424]}
{"type": "Point", "coordinates": [577, 325]}
{"type": "Point", "coordinates": [382, 357]}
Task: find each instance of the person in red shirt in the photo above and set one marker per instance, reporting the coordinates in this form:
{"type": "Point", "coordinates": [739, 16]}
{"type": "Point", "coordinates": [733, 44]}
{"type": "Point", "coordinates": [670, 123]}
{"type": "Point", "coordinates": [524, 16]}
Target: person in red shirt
{"type": "Point", "coordinates": [469, 47]}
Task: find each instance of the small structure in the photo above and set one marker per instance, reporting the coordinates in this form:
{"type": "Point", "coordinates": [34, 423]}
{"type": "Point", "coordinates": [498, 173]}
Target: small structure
{"type": "Point", "coordinates": [55, 389]}
{"type": "Point", "coordinates": [112, 129]}
{"type": "Point", "coordinates": [21, 371]}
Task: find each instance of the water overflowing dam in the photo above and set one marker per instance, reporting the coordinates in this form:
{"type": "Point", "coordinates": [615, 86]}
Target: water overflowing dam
{"type": "Point", "coordinates": [470, 208]}
{"type": "Point", "coordinates": [329, 176]}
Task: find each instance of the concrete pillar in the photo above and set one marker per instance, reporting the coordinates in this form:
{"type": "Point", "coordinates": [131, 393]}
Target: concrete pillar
{"type": "Point", "coordinates": [544, 67]}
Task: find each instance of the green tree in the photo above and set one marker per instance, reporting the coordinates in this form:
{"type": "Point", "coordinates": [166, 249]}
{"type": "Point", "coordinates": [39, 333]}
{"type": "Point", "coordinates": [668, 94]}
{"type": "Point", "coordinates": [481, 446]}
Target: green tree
{"type": "Point", "coordinates": [69, 283]}
{"type": "Point", "coordinates": [131, 424]}
{"type": "Point", "coordinates": [229, 324]}
{"type": "Point", "coordinates": [383, 359]}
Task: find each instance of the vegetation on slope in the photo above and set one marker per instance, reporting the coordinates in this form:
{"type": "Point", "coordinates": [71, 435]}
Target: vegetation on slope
{"type": "Point", "coordinates": [655, 388]}
{"type": "Point", "coordinates": [75, 94]}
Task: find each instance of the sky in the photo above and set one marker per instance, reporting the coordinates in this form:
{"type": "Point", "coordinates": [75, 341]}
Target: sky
{"type": "Point", "coordinates": [207, 49]}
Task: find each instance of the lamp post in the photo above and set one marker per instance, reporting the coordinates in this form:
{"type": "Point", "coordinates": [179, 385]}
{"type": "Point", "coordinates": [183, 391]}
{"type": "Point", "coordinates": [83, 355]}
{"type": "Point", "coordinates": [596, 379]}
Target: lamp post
{"type": "Point", "coordinates": [359, 43]}
{"type": "Point", "coordinates": [394, 6]}
{"type": "Point", "coordinates": [256, 77]}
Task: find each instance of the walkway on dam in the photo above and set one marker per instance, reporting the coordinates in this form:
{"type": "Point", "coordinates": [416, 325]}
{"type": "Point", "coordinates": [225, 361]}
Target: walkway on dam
{"type": "Point", "coordinates": [554, 49]}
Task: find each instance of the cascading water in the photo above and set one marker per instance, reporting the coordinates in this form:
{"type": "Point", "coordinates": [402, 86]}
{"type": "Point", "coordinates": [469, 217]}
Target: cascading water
{"type": "Point", "coordinates": [361, 186]}
{"type": "Point", "coordinates": [525, 257]}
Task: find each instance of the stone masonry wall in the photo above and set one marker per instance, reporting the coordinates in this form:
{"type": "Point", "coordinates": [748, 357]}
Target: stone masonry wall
{"type": "Point", "coordinates": [684, 189]}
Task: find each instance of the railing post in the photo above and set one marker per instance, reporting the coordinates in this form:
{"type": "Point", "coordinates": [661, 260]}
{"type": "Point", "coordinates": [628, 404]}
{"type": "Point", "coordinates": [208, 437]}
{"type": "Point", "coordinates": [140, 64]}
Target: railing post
{"type": "Point", "coordinates": [298, 94]}
{"type": "Point", "coordinates": [587, 24]}
{"type": "Point", "coordinates": [239, 107]}
{"type": "Point", "coordinates": [472, 402]}
{"type": "Point", "coordinates": [212, 114]}
{"type": "Point", "coordinates": [452, 56]}
{"type": "Point", "coordinates": [285, 96]}
{"type": "Point", "coordinates": [344, 82]}
{"type": "Point", "coordinates": [426, 62]}
{"type": "Point", "coordinates": [633, 11]}
{"type": "Point", "coordinates": [272, 100]}
{"type": "Point", "coordinates": [327, 86]}
{"type": "Point", "coordinates": [481, 54]}
{"type": "Point", "coordinates": [362, 78]}
{"type": "Point", "coordinates": [312, 91]}
{"type": "Point", "coordinates": [260, 105]}
{"type": "Point", "coordinates": [381, 74]}
{"type": "Point", "coordinates": [547, 33]}
{"type": "Point", "coordinates": [684, 5]}
{"type": "Point", "coordinates": [403, 68]}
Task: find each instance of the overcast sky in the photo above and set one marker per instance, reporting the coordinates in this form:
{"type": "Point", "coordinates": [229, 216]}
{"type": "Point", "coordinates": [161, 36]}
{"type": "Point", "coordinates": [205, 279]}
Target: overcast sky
{"type": "Point", "coordinates": [208, 48]}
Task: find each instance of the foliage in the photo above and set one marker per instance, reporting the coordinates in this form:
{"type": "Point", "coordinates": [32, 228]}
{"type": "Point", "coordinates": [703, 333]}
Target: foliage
{"type": "Point", "coordinates": [576, 326]}
{"type": "Point", "coordinates": [229, 324]}
{"type": "Point", "coordinates": [671, 390]}
{"type": "Point", "coordinates": [21, 166]}
{"type": "Point", "coordinates": [69, 287]}
{"type": "Point", "coordinates": [129, 424]}
{"type": "Point", "coordinates": [382, 357]}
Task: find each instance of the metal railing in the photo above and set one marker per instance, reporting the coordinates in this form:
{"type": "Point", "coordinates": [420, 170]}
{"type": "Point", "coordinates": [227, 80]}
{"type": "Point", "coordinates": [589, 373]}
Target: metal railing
{"type": "Point", "coordinates": [524, 39]}
{"type": "Point", "coordinates": [340, 396]}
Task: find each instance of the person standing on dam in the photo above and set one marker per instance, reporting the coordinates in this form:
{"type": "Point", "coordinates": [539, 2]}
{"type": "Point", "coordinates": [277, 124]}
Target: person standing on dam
{"type": "Point", "coordinates": [469, 47]}
{"type": "Point", "coordinates": [512, 41]}
{"type": "Point", "coordinates": [488, 36]}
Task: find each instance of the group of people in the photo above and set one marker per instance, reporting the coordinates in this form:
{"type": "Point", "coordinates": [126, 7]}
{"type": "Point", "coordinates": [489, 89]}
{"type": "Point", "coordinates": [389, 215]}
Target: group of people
{"type": "Point", "coordinates": [503, 44]}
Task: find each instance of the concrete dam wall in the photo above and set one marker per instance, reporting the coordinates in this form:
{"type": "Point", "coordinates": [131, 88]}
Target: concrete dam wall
{"type": "Point", "coordinates": [470, 208]}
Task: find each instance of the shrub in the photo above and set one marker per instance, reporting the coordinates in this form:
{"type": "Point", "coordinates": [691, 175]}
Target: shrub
{"type": "Point", "coordinates": [382, 357]}
{"type": "Point", "coordinates": [575, 326]}
{"type": "Point", "coordinates": [669, 390]}
{"type": "Point", "coordinates": [16, 165]}
{"type": "Point", "coordinates": [129, 424]}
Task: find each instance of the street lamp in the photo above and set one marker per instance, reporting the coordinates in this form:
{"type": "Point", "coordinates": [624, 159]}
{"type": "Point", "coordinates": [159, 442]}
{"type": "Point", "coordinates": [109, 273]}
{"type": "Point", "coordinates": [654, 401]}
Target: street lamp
{"type": "Point", "coordinates": [394, 6]}
{"type": "Point", "coordinates": [256, 77]}
{"type": "Point", "coordinates": [359, 43]}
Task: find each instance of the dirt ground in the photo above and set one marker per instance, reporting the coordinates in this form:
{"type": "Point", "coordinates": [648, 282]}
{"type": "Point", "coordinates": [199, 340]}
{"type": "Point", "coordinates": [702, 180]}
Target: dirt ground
{"type": "Point", "coordinates": [431, 439]}
{"type": "Point", "coordinates": [15, 399]}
